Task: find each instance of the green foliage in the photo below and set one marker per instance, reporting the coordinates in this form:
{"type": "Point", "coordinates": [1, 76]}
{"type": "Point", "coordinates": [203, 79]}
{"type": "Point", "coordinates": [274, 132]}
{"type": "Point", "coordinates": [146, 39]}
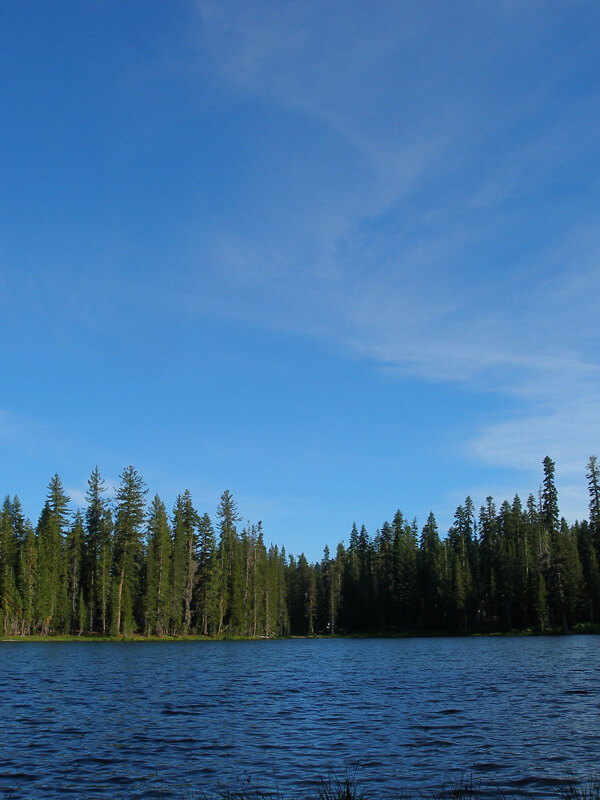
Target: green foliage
{"type": "Point", "coordinates": [158, 570]}
{"type": "Point", "coordinates": [512, 568]}
{"type": "Point", "coordinates": [205, 596]}
{"type": "Point", "coordinates": [129, 519]}
{"type": "Point", "coordinates": [184, 561]}
{"type": "Point", "coordinates": [228, 572]}
{"type": "Point", "coordinates": [98, 552]}
{"type": "Point", "coordinates": [549, 498]}
{"type": "Point", "coordinates": [74, 557]}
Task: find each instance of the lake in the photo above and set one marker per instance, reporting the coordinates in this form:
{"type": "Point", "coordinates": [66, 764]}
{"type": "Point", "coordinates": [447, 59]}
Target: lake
{"type": "Point", "coordinates": [151, 719]}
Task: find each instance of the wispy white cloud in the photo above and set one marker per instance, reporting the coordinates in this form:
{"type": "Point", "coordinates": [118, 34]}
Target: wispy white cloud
{"type": "Point", "coordinates": [77, 497]}
{"type": "Point", "coordinates": [441, 245]}
{"type": "Point", "coordinates": [10, 425]}
{"type": "Point", "coordinates": [566, 433]}
{"type": "Point", "coordinates": [78, 494]}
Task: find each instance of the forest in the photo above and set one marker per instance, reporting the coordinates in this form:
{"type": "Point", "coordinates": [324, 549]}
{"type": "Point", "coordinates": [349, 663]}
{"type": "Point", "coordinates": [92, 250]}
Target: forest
{"type": "Point", "coordinates": [123, 567]}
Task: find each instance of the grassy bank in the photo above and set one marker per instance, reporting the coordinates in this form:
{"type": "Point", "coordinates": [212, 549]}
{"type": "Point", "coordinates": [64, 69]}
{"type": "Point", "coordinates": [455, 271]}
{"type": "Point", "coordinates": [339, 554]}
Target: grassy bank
{"type": "Point", "coordinates": [583, 628]}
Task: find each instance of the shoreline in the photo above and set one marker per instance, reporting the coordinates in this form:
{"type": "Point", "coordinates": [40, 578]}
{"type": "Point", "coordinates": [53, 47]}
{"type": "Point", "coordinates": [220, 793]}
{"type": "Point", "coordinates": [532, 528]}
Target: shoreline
{"type": "Point", "coordinates": [582, 629]}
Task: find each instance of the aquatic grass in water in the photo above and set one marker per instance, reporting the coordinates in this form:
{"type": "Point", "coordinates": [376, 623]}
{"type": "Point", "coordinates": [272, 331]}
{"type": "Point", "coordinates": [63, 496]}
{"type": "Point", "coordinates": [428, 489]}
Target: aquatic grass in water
{"type": "Point", "coordinates": [348, 788]}
{"type": "Point", "coordinates": [589, 790]}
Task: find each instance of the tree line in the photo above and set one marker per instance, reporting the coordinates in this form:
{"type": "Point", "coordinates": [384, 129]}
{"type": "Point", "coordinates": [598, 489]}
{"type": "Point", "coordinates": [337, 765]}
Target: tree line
{"type": "Point", "coordinates": [124, 567]}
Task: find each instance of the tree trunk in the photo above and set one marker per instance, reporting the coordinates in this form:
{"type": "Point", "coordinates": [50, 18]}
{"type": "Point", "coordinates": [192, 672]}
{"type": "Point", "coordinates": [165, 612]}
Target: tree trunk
{"type": "Point", "coordinates": [119, 595]}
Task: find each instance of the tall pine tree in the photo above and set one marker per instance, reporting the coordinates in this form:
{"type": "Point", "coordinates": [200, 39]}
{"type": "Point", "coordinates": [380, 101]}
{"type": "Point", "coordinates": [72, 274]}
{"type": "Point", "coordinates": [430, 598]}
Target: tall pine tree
{"type": "Point", "coordinates": [129, 519]}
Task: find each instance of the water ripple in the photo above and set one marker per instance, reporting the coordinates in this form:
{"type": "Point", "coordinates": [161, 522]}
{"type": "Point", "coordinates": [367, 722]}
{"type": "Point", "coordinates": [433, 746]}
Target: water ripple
{"type": "Point", "coordinates": [174, 720]}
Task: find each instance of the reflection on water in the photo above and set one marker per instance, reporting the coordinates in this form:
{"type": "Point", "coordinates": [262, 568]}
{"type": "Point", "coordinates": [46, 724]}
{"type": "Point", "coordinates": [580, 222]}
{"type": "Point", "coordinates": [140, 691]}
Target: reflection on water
{"type": "Point", "coordinates": [140, 720]}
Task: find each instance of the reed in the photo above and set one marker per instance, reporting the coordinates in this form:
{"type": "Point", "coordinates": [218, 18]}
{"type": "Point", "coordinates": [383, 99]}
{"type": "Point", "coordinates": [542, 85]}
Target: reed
{"type": "Point", "coordinates": [347, 787]}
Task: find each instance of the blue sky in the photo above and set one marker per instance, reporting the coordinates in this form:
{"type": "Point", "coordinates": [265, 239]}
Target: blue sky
{"type": "Point", "coordinates": [340, 258]}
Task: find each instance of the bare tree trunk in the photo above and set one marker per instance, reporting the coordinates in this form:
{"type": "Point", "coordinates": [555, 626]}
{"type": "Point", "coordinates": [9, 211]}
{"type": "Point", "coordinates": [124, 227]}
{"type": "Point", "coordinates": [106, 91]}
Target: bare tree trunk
{"type": "Point", "coordinates": [189, 588]}
{"type": "Point", "coordinates": [267, 620]}
{"type": "Point", "coordinates": [255, 619]}
{"type": "Point", "coordinates": [158, 627]}
{"type": "Point", "coordinates": [91, 600]}
{"type": "Point", "coordinates": [119, 595]}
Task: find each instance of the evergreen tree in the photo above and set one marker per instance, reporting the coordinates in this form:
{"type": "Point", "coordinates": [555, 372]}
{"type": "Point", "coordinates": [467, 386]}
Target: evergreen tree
{"type": "Point", "coordinates": [527, 568]}
{"type": "Point", "coordinates": [129, 519]}
{"type": "Point", "coordinates": [254, 560]}
{"type": "Point", "coordinates": [45, 591]}
{"type": "Point", "coordinates": [104, 579]}
{"type": "Point", "coordinates": [206, 569]}
{"type": "Point", "coordinates": [490, 560]}
{"type": "Point", "coordinates": [384, 576]}
{"type": "Point", "coordinates": [571, 573]}
{"type": "Point", "coordinates": [351, 583]}
{"type": "Point", "coordinates": [271, 595]}
{"type": "Point", "coordinates": [541, 603]}
{"type": "Point", "coordinates": [95, 535]}
{"type": "Point", "coordinates": [228, 589]}
{"type": "Point", "coordinates": [158, 585]}
{"type": "Point", "coordinates": [306, 594]}
{"type": "Point", "coordinates": [336, 574]}
{"type": "Point", "coordinates": [446, 575]}
{"type": "Point", "coordinates": [549, 508]}
{"type": "Point", "coordinates": [461, 538]}
{"type": "Point", "coordinates": [74, 552]}
{"type": "Point", "coordinates": [508, 569]}
{"type": "Point", "coordinates": [190, 521]}
{"type": "Point", "coordinates": [10, 601]}
{"type": "Point", "coordinates": [525, 564]}
{"type": "Point", "coordinates": [429, 574]}
{"type": "Point", "coordinates": [27, 577]}
{"type": "Point", "coordinates": [50, 601]}
{"type": "Point", "coordinates": [82, 613]}
{"type": "Point", "coordinates": [459, 593]}
{"type": "Point", "coordinates": [405, 573]}
{"type": "Point", "coordinates": [257, 590]}
{"type": "Point", "coordinates": [560, 571]}
{"type": "Point", "coordinates": [593, 477]}
{"type": "Point", "coordinates": [178, 567]}
{"type": "Point", "coordinates": [283, 617]}
{"type": "Point", "coordinates": [331, 577]}
{"type": "Point", "coordinates": [590, 569]}
{"type": "Point", "coordinates": [366, 618]}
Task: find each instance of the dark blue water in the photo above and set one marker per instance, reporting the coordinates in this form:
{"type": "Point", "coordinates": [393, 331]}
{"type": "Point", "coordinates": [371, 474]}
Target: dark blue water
{"type": "Point", "coordinates": [183, 718]}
